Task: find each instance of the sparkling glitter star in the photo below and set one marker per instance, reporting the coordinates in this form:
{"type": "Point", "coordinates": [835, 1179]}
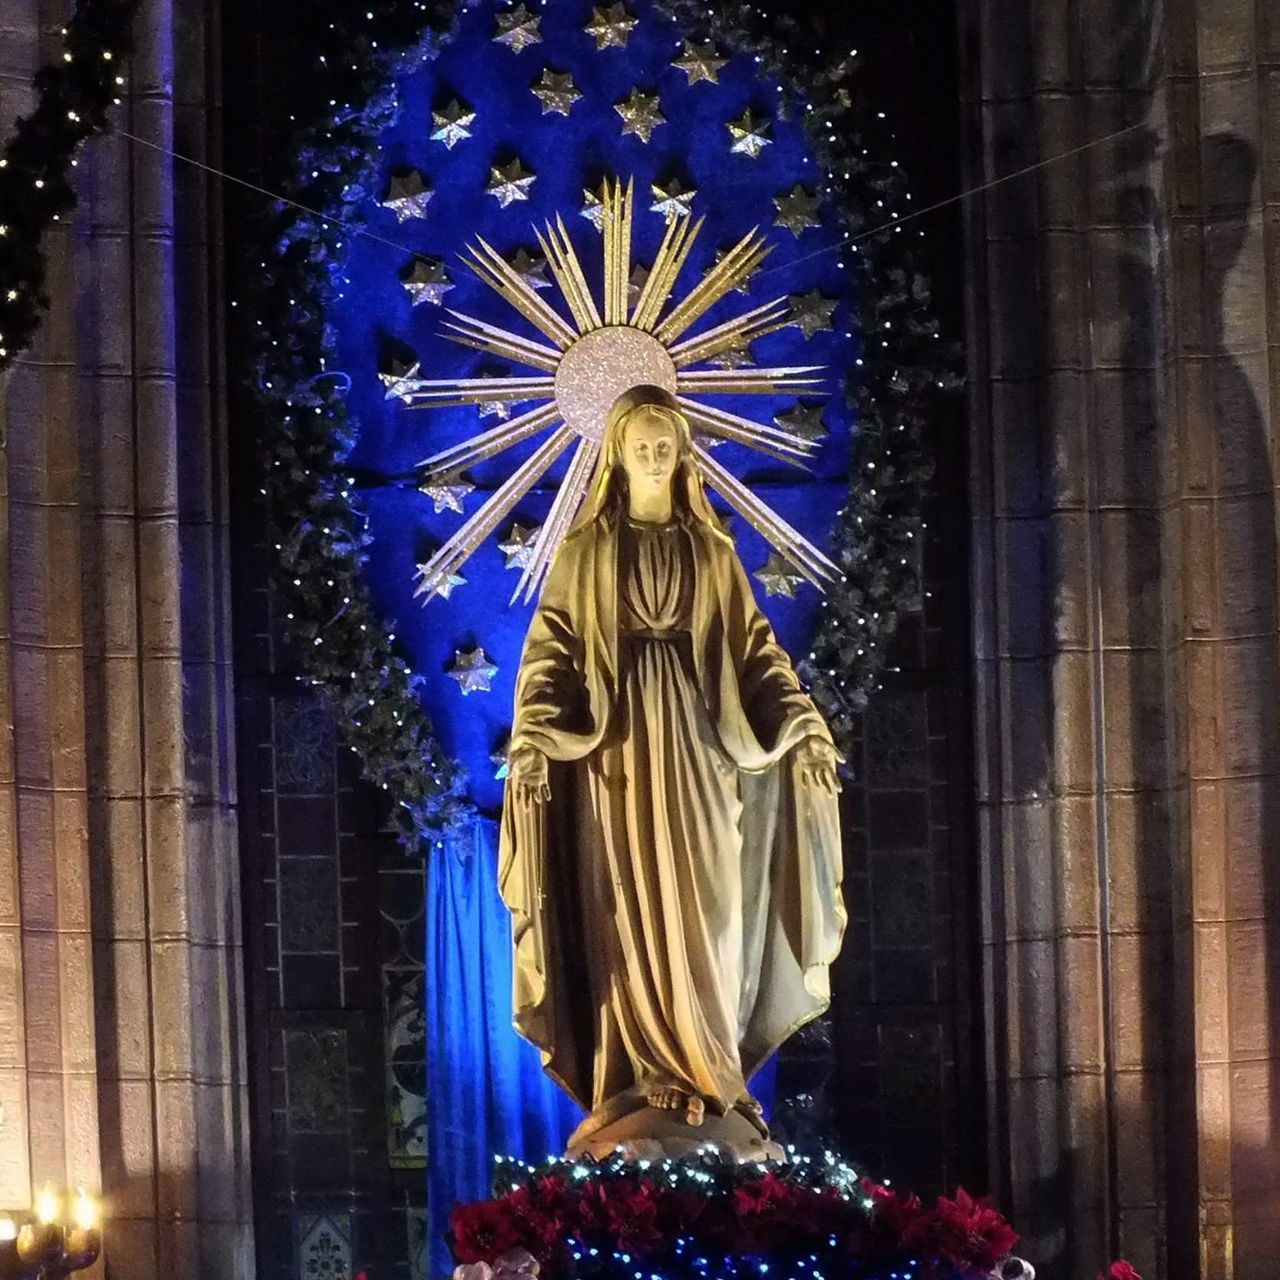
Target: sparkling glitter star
{"type": "Point", "coordinates": [443, 588]}
{"type": "Point", "coordinates": [473, 671]}
{"type": "Point", "coordinates": [635, 286]}
{"type": "Point", "coordinates": [811, 313]}
{"type": "Point", "coordinates": [640, 114]}
{"type": "Point", "coordinates": [699, 62]}
{"type": "Point", "coordinates": [778, 578]}
{"type": "Point", "coordinates": [592, 209]}
{"type": "Point", "coordinates": [743, 286]}
{"type": "Point", "coordinates": [611, 27]}
{"type": "Point", "coordinates": [733, 358]}
{"type": "Point", "coordinates": [671, 199]}
{"type": "Point", "coordinates": [452, 124]}
{"type": "Point", "coordinates": [427, 282]}
{"type": "Point", "coordinates": [395, 380]}
{"type": "Point", "coordinates": [447, 491]}
{"type": "Point", "coordinates": [556, 92]}
{"type": "Point", "coordinates": [518, 29]}
{"type": "Point", "coordinates": [532, 270]}
{"type": "Point", "coordinates": [501, 761]}
{"type": "Point", "coordinates": [499, 409]}
{"type": "Point", "coordinates": [518, 547]}
{"type": "Point", "coordinates": [797, 211]}
{"type": "Point", "coordinates": [748, 136]}
{"type": "Point", "coordinates": [509, 182]}
{"type": "Point", "coordinates": [407, 196]}
{"type": "Point", "coordinates": [805, 420]}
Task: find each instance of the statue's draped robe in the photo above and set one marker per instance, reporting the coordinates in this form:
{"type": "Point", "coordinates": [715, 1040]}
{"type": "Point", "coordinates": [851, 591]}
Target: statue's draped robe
{"type": "Point", "coordinates": [677, 903]}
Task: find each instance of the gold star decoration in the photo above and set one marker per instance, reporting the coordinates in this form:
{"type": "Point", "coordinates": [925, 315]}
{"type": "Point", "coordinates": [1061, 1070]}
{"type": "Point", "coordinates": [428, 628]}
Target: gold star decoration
{"type": "Point", "coordinates": [743, 286]}
{"type": "Point", "coordinates": [518, 29]}
{"type": "Point", "coordinates": [399, 375]}
{"type": "Point", "coordinates": [452, 124]}
{"type": "Point", "coordinates": [509, 182]}
{"type": "Point", "coordinates": [447, 491]}
{"type": "Point", "coordinates": [427, 282]}
{"type": "Point", "coordinates": [811, 313]}
{"type": "Point", "coordinates": [672, 200]}
{"type": "Point", "coordinates": [473, 671]}
{"type": "Point", "coordinates": [640, 114]}
{"type": "Point", "coordinates": [748, 136]}
{"type": "Point", "coordinates": [778, 577]}
{"type": "Point", "coordinates": [592, 209]}
{"type": "Point", "coordinates": [805, 421]}
{"type": "Point", "coordinates": [531, 269]}
{"type": "Point", "coordinates": [699, 62]}
{"type": "Point", "coordinates": [443, 588]}
{"type": "Point", "coordinates": [797, 211]}
{"type": "Point", "coordinates": [520, 545]}
{"type": "Point", "coordinates": [611, 27]}
{"type": "Point", "coordinates": [407, 196]}
{"type": "Point", "coordinates": [556, 92]}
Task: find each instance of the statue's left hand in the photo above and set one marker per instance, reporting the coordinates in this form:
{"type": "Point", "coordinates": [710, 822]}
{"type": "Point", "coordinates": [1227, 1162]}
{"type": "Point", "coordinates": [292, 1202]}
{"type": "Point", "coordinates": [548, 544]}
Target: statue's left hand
{"type": "Point", "coordinates": [818, 759]}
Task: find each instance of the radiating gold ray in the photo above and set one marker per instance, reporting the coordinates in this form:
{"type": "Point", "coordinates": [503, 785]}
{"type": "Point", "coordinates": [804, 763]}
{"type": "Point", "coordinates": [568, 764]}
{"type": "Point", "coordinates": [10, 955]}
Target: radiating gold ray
{"type": "Point", "coordinates": [568, 499]}
{"type": "Point", "coordinates": [777, 444]}
{"type": "Point", "coordinates": [749, 382]}
{"type": "Point", "coordinates": [618, 204]}
{"type": "Point", "coordinates": [792, 544]}
{"type": "Point", "coordinates": [467, 331]}
{"type": "Point", "coordinates": [732, 333]}
{"type": "Point", "coordinates": [495, 509]}
{"type": "Point", "coordinates": [677, 241]}
{"type": "Point", "coordinates": [734, 268]}
{"type": "Point", "coordinates": [504, 280]}
{"type": "Point", "coordinates": [562, 258]}
{"type": "Point", "coordinates": [488, 443]}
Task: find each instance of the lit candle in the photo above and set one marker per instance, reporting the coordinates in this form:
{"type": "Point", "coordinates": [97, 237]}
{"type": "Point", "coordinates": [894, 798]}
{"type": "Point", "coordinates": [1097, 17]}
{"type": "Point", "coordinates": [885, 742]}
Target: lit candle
{"type": "Point", "coordinates": [84, 1240]}
{"type": "Point", "coordinates": [47, 1204]}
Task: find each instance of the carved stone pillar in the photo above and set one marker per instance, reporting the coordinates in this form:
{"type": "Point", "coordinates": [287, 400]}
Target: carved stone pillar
{"type": "Point", "coordinates": [121, 1007]}
{"type": "Point", "coordinates": [1124, 358]}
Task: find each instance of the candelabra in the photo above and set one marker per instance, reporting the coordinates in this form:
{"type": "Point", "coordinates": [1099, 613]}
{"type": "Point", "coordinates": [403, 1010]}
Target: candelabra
{"type": "Point", "coordinates": [62, 1236]}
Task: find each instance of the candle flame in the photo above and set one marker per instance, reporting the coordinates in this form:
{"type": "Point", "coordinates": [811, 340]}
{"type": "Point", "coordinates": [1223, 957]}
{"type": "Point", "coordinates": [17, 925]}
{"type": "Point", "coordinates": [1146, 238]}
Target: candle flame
{"type": "Point", "coordinates": [47, 1205]}
{"type": "Point", "coordinates": [8, 1228]}
{"type": "Point", "coordinates": [86, 1210]}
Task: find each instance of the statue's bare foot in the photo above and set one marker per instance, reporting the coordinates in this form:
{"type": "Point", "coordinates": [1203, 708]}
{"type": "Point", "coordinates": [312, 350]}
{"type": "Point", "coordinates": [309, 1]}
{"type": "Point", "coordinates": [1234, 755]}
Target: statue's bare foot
{"type": "Point", "coordinates": [666, 1097]}
{"type": "Point", "coordinates": [697, 1109]}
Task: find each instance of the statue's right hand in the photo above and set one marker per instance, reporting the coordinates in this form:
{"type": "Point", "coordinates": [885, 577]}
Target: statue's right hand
{"type": "Point", "coordinates": [529, 776]}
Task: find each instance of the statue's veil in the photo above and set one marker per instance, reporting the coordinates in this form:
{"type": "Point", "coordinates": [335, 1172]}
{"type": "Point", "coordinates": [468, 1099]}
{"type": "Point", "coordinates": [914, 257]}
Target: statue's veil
{"type": "Point", "coordinates": [606, 498]}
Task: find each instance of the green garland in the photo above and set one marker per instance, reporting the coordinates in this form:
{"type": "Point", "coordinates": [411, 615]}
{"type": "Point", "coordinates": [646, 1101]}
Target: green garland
{"type": "Point", "coordinates": [319, 532]}
{"type": "Point", "coordinates": [35, 169]}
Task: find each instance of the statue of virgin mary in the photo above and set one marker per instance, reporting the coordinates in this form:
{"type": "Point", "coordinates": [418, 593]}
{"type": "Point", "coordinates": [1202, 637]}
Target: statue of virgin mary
{"type": "Point", "coordinates": [670, 838]}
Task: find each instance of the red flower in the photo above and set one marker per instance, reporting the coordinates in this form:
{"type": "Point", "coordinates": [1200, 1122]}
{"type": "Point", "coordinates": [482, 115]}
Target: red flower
{"type": "Point", "coordinates": [894, 1216]}
{"type": "Point", "coordinates": [550, 1208]}
{"type": "Point", "coordinates": [771, 1211]}
{"type": "Point", "coordinates": [625, 1212]}
{"type": "Point", "coordinates": [965, 1232]}
{"type": "Point", "coordinates": [484, 1231]}
{"type": "Point", "coordinates": [1121, 1270]}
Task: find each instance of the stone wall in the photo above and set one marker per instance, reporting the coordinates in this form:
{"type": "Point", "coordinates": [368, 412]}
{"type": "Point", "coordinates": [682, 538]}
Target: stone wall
{"type": "Point", "coordinates": [121, 1018]}
{"type": "Point", "coordinates": [1124, 354]}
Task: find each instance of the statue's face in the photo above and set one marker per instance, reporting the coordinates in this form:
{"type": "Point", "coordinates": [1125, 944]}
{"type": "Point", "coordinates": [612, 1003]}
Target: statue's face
{"type": "Point", "coordinates": [650, 451]}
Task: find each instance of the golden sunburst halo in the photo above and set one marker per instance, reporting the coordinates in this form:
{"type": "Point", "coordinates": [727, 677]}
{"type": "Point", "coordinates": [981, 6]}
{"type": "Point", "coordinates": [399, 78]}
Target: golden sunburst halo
{"type": "Point", "coordinates": [586, 363]}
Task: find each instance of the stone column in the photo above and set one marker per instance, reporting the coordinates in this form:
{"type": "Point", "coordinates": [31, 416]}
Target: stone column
{"type": "Point", "coordinates": [127, 1059]}
{"type": "Point", "coordinates": [1123, 354]}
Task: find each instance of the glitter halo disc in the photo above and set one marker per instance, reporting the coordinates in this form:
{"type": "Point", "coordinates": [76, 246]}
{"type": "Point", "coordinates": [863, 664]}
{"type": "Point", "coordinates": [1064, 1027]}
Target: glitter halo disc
{"type": "Point", "coordinates": [600, 366]}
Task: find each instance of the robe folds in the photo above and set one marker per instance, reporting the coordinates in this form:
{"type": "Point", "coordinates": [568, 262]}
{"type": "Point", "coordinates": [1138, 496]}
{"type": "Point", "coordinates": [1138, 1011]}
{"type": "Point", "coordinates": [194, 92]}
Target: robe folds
{"type": "Point", "coordinates": [676, 904]}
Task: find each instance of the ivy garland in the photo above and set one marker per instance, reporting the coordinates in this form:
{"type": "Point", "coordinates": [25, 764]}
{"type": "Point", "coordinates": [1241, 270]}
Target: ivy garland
{"type": "Point", "coordinates": [73, 96]}
{"type": "Point", "coordinates": [320, 534]}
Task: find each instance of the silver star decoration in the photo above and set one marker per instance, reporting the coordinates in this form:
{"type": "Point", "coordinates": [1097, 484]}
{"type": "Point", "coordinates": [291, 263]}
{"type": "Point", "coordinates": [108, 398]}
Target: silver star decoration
{"type": "Point", "coordinates": [400, 374]}
{"type": "Point", "coordinates": [518, 29]}
{"type": "Point", "coordinates": [443, 588]}
{"type": "Point", "coordinates": [592, 209]}
{"type": "Point", "coordinates": [532, 270]}
{"type": "Point", "coordinates": [407, 196]}
{"type": "Point", "coordinates": [811, 313]}
{"type": "Point", "coordinates": [427, 282]}
{"type": "Point", "coordinates": [499, 409]}
{"type": "Point", "coordinates": [743, 286]}
{"type": "Point", "coordinates": [509, 182]}
{"type": "Point", "coordinates": [556, 92]}
{"type": "Point", "coordinates": [635, 286]}
{"type": "Point", "coordinates": [611, 27]}
{"type": "Point", "coordinates": [797, 211]}
{"type": "Point", "coordinates": [501, 761]}
{"type": "Point", "coordinates": [748, 136]}
{"type": "Point", "coordinates": [447, 491]}
{"type": "Point", "coordinates": [699, 62]}
{"type": "Point", "coordinates": [778, 578]}
{"type": "Point", "coordinates": [640, 114]}
{"type": "Point", "coordinates": [672, 200]}
{"type": "Point", "coordinates": [473, 671]}
{"type": "Point", "coordinates": [519, 545]}
{"type": "Point", "coordinates": [733, 358]}
{"type": "Point", "coordinates": [452, 124]}
{"type": "Point", "coordinates": [805, 420]}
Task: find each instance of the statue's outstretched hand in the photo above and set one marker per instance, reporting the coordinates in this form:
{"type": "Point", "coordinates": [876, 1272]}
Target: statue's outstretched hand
{"type": "Point", "coordinates": [529, 777]}
{"type": "Point", "coordinates": [818, 759]}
